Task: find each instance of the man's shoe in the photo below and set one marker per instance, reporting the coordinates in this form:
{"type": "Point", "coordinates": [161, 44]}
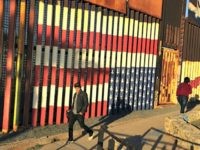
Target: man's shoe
{"type": "Point", "coordinates": [91, 137]}
{"type": "Point", "coordinates": [69, 142]}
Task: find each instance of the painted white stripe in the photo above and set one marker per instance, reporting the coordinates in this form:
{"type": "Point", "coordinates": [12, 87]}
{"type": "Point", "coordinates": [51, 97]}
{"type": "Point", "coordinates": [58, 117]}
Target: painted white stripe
{"type": "Point", "coordinates": [35, 97]}
{"type": "Point", "coordinates": [136, 24]}
{"type": "Point", "coordinates": [72, 19]}
{"type": "Point", "coordinates": [108, 59]}
{"type": "Point", "coordinates": [88, 93]}
{"type": "Point", "coordinates": [149, 31]}
{"type": "Point", "coordinates": [143, 59]}
{"type": "Point", "coordinates": [62, 58]}
{"type": "Point", "coordinates": [133, 64]}
{"type": "Point", "coordinates": [113, 59]}
{"type": "Point", "coordinates": [121, 19]}
{"type": "Point", "coordinates": [94, 90]}
{"type": "Point", "coordinates": [83, 61]}
{"type": "Point", "coordinates": [153, 31]}
{"type": "Point", "coordinates": [96, 59]}
{"type": "Point", "coordinates": [98, 27]}
{"type": "Point", "coordinates": [49, 14]}
{"type": "Point", "coordinates": [86, 17]}
{"type": "Point", "coordinates": [126, 26]}
{"type": "Point", "coordinates": [79, 19]}
{"type": "Point", "coordinates": [92, 23]}
{"type": "Point", "coordinates": [102, 59]}
{"type": "Point", "coordinates": [105, 94]}
{"type": "Point", "coordinates": [100, 90]}
{"type": "Point", "coordinates": [104, 25]}
{"type": "Point", "coordinates": [147, 61]}
{"type": "Point", "coordinates": [76, 60]}
{"type": "Point", "coordinates": [59, 100]}
{"type": "Point", "coordinates": [157, 31]}
{"type": "Point", "coordinates": [129, 61]}
{"type": "Point", "coordinates": [154, 62]}
{"type": "Point", "coordinates": [144, 30]}
{"type": "Point", "coordinates": [90, 57]}
{"type": "Point", "coordinates": [118, 59]}
{"type": "Point", "coordinates": [151, 60]}
{"type": "Point", "coordinates": [46, 55]}
{"type": "Point", "coordinates": [44, 96]}
{"type": "Point", "coordinates": [57, 19]}
{"type": "Point", "coordinates": [65, 18]}
{"type": "Point", "coordinates": [140, 30]}
{"type": "Point", "coordinates": [41, 13]}
{"type": "Point", "coordinates": [131, 27]}
{"type": "Point", "coordinates": [110, 19]}
{"type": "Point", "coordinates": [124, 59]}
{"type": "Point", "coordinates": [115, 26]}
{"type": "Point", "coordinates": [54, 56]}
{"type": "Point", "coordinates": [67, 94]}
{"type": "Point", "coordinates": [69, 58]}
{"type": "Point", "coordinates": [38, 55]}
{"type": "Point", "coordinates": [52, 95]}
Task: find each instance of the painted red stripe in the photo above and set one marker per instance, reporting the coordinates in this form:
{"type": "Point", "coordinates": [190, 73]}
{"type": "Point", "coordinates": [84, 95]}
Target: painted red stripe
{"type": "Point", "coordinates": [120, 43]}
{"type": "Point", "coordinates": [139, 46]}
{"type": "Point", "coordinates": [99, 105]}
{"type": "Point", "coordinates": [53, 76]}
{"type": "Point", "coordinates": [51, 112]}
{"type": "Point", "coordinates": [148, 46]}
{"type": "Point", "coordinates": [105, 110]}
{"type": "Point", "coordinates": [111, 38]}
{"type": "Point", "coordinates": [48, 35]}
{"type": "Point", "coordinates": [56, 35]}
{"type": "Point", "coordinates": [87, 113]}
{"type": "Point", "coordinates": [64, 32]}
{"type": "Point", "coordinates": [45, 77]}
{"type": "Point", "coordinates": [76, 76]}
{"type": "Point", "coordinates": [130, 44]}
{"type": "Point", "coordinates": [77, 44]}
{"type": "Point", "coordinates": [155, 47]}
{"type": "Point", "coordinates": [143, 49]}
{"type": "Point", "coordinates": [61, 77]}
{"type": "Point", "coordinates": [42, 116]}
{"type": "Point", "coordinates": [65, 119]}
{"type": "Point", "coordinates": [90, 78]}
{"type": "Point", "coordinates": [125, 41]}
{"type": "Point", "coordinates": [37, 76]}
{"type": "Point", "coordinates": [58, 115]}
{"type": "Point", "coordinates": [39, 34]}
{"type": "Point", "coordinates": [93, 109]}
{"type": "Point", "coordinates": [135, 45]}
{"type": "Point", "coordinates": [34, 117]}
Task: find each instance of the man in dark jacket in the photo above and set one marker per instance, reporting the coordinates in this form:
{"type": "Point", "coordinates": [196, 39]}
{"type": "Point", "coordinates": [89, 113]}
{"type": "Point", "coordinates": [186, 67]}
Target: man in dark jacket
{"type": "Point", "coordinates": [79, 107]}
{"type": "Point", "coordinates": [183, 91]}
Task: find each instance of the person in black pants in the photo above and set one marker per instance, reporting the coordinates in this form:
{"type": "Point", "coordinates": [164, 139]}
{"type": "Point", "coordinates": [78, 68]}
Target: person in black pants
{"type": "Point", "coordinates": [79, 107]}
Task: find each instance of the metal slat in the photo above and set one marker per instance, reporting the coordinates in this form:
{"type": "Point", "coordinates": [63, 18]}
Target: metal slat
{"type": "Point", "coordinates": [9, 68]}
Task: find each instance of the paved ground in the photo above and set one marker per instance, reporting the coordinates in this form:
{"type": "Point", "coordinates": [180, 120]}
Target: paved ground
{"type": "Point", "coordinates": [140, 130]}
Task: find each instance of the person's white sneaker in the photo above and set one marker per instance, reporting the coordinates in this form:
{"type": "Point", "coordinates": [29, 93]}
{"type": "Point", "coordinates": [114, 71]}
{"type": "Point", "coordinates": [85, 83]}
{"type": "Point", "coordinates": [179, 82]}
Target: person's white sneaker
{"type": "Point", "coordinates": [91, 137]}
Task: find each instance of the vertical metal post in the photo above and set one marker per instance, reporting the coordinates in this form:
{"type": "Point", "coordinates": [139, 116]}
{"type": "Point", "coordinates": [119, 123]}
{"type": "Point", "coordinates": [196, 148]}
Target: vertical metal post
{"type": "Point", "coordinates": [28, 70]}
{"type": "Point", "coordinates": [1, 56]}
{"type": "Point", "coordinates": [20, 56]}
{"type": "Point", "coordinates": [9, 67]}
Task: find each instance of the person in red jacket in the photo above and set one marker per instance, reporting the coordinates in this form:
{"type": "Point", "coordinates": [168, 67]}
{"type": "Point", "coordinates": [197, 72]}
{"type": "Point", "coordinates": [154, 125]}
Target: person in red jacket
{"type": "Point", "coordinates": [183, 91]}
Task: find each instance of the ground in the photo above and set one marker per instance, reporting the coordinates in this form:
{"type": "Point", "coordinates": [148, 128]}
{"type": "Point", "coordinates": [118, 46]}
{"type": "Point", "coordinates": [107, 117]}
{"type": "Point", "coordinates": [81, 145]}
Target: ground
{"type": "Point", "coordinates": [139, 130]}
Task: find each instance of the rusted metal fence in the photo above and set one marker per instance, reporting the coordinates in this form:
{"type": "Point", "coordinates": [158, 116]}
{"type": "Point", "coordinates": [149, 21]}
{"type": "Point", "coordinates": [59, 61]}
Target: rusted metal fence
{"type": "Point", "coordinates": [112, 54]}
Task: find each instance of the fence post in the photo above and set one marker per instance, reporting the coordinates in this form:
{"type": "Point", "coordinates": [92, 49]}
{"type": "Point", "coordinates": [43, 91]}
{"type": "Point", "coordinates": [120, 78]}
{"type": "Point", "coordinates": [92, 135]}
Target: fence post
{"type": "Point", "coordinates": [100, 137]}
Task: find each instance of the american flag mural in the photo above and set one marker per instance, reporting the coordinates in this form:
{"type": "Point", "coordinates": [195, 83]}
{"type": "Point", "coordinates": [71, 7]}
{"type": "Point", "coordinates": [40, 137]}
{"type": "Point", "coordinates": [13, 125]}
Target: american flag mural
{"type": "Point", "coordinates": [113, 55]}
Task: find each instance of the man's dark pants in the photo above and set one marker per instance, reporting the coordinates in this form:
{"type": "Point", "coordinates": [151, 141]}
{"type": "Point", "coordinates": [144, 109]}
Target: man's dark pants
{"type": "Point", "coordinates": [183, 102]}
{"type": "Point", "coordinates": [80, 118]}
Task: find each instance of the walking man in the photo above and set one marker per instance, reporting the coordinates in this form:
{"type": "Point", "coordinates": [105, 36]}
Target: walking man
{"type": "Point", "coordinates": [183, 91]}
{"type": "Point", "coordinates": [79, 107]}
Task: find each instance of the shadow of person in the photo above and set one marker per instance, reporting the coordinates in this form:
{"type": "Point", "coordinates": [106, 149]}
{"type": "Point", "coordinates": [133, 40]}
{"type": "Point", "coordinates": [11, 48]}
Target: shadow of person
{"type": "Point", "coordinates": [193, 102]}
